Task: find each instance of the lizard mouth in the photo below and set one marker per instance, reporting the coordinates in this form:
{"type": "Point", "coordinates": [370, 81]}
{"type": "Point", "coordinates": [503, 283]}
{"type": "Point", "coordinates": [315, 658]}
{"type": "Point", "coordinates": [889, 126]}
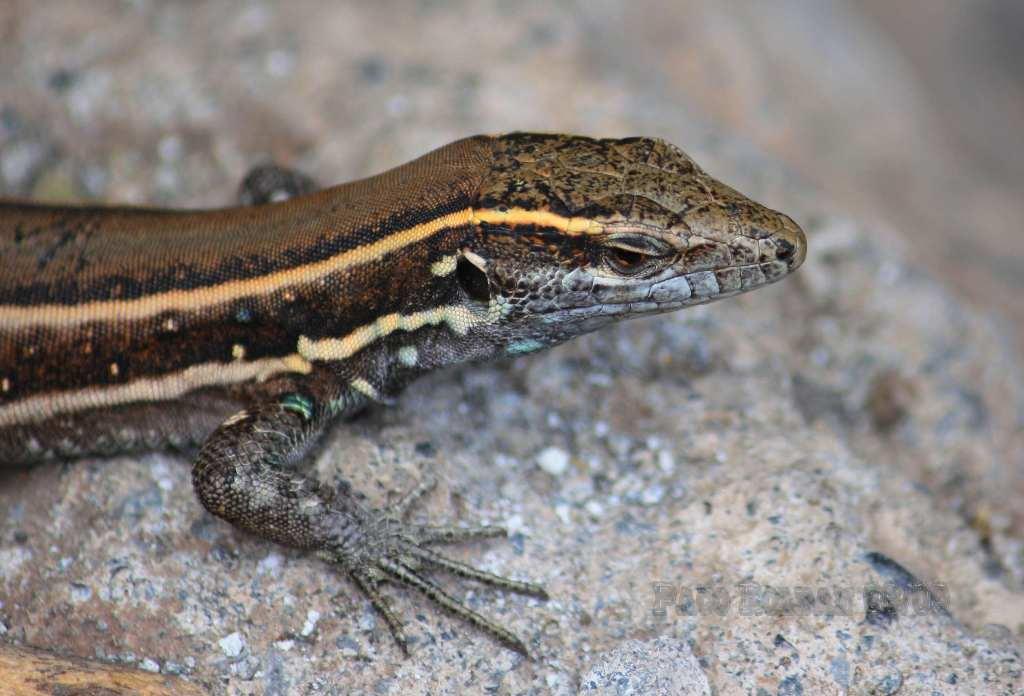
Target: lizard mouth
{"type": "Point", "coordinates": [587, 296]}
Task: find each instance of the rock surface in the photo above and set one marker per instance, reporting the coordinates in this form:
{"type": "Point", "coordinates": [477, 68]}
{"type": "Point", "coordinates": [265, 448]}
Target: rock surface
{"type": "Point", "coordinates": [812, 489]}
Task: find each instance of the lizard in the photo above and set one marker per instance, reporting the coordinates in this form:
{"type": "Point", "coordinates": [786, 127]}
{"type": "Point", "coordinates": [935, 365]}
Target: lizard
{"type": "Point", "coordinates": [241, 333]}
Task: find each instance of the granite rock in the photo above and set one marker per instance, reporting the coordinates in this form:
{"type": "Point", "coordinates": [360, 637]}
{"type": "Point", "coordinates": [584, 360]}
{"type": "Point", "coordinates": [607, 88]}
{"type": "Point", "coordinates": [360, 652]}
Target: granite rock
{"type": "Point", "coordinates": [811, 489]}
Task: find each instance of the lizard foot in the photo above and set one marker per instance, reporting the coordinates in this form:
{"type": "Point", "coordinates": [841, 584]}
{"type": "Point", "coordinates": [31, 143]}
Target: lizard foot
{"type": "Point", "coordinates": [387, 549]}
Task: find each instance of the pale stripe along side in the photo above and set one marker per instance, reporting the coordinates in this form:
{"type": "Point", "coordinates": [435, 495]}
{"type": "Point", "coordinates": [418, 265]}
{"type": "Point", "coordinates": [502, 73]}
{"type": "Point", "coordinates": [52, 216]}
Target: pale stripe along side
{"type": "Point", "coordinates": [176, 383]}
{"type": "Point", "coordinates": [14, 317]}
{"type": "Point", "coordinates": [163, 388]}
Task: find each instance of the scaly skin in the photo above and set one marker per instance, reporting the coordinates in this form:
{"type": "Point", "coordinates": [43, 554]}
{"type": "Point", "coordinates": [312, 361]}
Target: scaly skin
{"type": "Point", "coordinates": [250, 330]}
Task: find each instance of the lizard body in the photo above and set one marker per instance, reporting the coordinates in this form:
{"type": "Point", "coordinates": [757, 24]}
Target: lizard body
{"type": "Point", "coordinates": [245, 331]}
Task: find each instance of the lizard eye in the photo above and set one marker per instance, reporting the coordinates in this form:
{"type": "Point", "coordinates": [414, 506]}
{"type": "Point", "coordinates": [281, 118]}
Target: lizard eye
{"type": "Point", "coordinates": [626, 261]}
{"type": "Point", "coordinates": [472, 280]}
{"type": "Point", "coordinates": [632, 254]}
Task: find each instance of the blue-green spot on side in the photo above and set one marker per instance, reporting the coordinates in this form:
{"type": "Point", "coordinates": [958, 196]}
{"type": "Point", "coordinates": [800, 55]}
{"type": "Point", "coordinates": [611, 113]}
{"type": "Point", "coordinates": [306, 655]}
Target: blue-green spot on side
{"type": "Point", "coordinates": [298, 403]}
{"type": "Point", "coordinates": [527, 345]}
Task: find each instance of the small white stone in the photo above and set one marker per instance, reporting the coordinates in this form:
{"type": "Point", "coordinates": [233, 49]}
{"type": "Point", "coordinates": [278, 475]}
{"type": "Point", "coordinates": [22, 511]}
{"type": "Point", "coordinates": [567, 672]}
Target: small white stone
{"type": "Point", "coordinates": [368, 619]}
{"type": "Point", "coordinates": [515, 525]}
{"type": "Point", "coordinates": [149, 665]}
{"type": "Point", "coordinates": [284, 645]}
{"type": "Point", "coordinates": [232, 645]}
{"type": "Point", "coordinates": [553, 460]}
{"type": "Point", "coordinates": [312, 617]}
{"type": "Point", "coordinates": [666, 462]}
{"type": "Point", "coordinates": [269, 563]}
{"type": "Point", "coordinates": [652, 495]}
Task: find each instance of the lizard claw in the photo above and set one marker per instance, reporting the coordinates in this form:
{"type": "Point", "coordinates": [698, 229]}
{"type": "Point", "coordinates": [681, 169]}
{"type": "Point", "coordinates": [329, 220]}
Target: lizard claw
{"type": "Point", "coordinates": [407, 502]}
{"type": "Point", "coordinates": [369, 583]}
{"type": "Point", "coordinates": [389, 550]}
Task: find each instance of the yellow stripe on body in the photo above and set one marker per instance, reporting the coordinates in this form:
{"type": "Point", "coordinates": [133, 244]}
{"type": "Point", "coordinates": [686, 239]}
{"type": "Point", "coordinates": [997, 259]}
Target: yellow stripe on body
{"type": "Point", "coordinates": [171, 386]}
{"type": "Point", "coordinates": [458, 318]}
{"type": "Point", "coordinates": [541, 218]}
{"type": "Point", "coordinates": [14, 317]}
{"type": "Point", "coordinates": [58, 315]}
{"type": "Point", "coordinates": [164, 388]}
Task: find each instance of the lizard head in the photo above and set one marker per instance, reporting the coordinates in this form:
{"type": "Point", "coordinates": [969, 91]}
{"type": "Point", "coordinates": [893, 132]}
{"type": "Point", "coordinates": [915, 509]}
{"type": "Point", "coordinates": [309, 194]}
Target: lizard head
{"type": "Point", "coordinates": [572, 233]}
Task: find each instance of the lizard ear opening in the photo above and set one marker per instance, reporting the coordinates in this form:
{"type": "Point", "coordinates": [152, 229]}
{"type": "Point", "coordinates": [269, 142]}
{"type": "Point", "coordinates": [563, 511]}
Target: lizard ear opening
{"type": "Point", "coordinates": [472, 279]}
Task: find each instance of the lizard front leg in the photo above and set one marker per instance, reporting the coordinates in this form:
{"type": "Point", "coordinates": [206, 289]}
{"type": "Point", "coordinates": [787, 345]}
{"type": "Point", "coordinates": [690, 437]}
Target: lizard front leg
{"type": "Point", "coordinates": [245, 473]}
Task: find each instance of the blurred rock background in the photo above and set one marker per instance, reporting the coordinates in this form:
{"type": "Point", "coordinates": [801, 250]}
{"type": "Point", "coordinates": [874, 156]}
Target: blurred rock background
{"type": "Point", "coordinates": [874, 404]}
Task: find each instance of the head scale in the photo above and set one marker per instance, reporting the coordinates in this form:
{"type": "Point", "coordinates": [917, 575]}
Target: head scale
{"type": "Point", "coordinates": [572, 233]}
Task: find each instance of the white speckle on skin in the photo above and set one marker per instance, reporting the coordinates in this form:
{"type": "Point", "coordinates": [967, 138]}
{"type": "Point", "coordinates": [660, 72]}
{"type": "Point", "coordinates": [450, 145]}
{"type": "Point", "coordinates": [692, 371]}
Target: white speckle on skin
{"type": "Point", "coordinates": [365, 388]}
{"type": "Point", "coordinates": [553, 460]}
{"type": "Point", "coordinates": [408, 356]}
{"type": "Point", "coordinates": [238, 417]}
{"type": "Point", "coordinates": [308, 504]}
{"type": "Point", "coordinates": [260, 497]}
{"type": "Point", "coordinates": [444, 265]}
{"type": "Point", "coordinates": [232, 644]}
{"type": "Point", "coordinates": [238, 351]}
{"type": "Point", "coordinates": [114, 369]}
